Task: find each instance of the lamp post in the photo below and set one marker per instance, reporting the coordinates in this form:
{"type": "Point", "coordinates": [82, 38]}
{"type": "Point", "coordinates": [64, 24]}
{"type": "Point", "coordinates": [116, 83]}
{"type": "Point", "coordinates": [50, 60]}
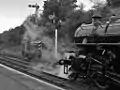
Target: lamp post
{"type": "Point", "coordinates": [36, 6]}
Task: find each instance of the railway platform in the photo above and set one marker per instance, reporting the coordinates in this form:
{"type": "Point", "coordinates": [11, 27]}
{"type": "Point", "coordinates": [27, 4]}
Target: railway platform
{"type": "Point", "coordinates": [11, 79]}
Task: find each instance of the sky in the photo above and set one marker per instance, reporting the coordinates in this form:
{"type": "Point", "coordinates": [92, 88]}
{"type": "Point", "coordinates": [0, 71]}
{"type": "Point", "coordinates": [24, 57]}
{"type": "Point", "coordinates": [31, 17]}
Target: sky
{"type": "Point", "coordinates": [14, 12]}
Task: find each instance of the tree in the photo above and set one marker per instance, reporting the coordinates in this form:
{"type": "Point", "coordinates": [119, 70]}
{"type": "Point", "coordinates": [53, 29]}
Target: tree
{"type": "Point", "coordinates": [113, 3]}
{"type": "Point", "coordinates": [60, 8]}
{"type": "Point", "coordinates": [75, 19]}
{"type": "Point", "coordinates": [103, 7]}
{"type": "Point", "coordinates": [13, 36]}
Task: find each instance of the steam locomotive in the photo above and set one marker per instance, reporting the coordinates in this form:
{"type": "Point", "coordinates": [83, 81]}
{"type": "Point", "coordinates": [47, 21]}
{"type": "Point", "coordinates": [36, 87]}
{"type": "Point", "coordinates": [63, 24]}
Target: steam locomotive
{"type": "Point", "coordinates": [97, 57]}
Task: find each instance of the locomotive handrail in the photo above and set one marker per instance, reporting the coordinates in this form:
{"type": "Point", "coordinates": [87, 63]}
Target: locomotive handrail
{"type": "Point", "coordinates": [111, 20]}
{"type": "Point", "coordinates": [108, 23]}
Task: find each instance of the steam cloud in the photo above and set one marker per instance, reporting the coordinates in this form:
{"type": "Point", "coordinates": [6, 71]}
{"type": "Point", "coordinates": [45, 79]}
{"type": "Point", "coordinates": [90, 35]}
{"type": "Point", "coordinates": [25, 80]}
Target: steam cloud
{"type": "Point", "coordinates": [35, 32]}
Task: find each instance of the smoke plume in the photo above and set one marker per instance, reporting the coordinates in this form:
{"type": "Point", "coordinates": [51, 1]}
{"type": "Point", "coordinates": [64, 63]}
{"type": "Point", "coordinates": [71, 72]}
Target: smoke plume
{"type": "Point", "coordinates": [35, 32]}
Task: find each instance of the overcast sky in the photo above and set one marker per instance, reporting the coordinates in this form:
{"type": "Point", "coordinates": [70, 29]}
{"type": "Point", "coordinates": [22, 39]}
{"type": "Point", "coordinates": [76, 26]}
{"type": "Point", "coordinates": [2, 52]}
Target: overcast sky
{"type": "Point", "coordinates": [14, 12]}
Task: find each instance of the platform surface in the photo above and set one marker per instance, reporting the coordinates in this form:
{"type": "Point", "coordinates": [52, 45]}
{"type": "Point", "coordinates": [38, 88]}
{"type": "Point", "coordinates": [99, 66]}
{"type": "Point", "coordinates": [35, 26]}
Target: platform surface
{"type": "Point", "coordinates": [12, 80]}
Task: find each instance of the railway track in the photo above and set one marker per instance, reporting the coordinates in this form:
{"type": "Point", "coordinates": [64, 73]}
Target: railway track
{"type": "Point", "coordinates": [24, 67]}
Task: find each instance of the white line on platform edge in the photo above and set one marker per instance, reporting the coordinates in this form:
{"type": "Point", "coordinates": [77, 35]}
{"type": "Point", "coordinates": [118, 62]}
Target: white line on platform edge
{"type": "Point", "coordinates": [32, 77]}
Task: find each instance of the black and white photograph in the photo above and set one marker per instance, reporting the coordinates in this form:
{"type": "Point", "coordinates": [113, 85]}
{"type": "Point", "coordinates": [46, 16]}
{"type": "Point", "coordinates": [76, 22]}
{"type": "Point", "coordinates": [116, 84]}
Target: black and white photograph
{"type": "Point", "coordinates": [59, 44]}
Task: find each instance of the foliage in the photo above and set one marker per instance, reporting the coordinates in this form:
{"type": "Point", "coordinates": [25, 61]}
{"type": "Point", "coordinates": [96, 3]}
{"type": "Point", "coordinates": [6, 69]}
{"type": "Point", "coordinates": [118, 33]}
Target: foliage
{"type": "Point", "coordinates": [104, 8]}
{"type": "Point", "coordinates": [107, 9]}
{"type": "Point", "coordinates": [74, 20]}
{"type": "Point", "coordinates": [13, 36]}
{"type": "Point", "coordinates": [114, 3]}
{"type": "Point", "coordinates": [106, 13]}
{"type": "Point", "coordinates": [66, 12]}
{"type": "Point", "coordinates": [59, 8]}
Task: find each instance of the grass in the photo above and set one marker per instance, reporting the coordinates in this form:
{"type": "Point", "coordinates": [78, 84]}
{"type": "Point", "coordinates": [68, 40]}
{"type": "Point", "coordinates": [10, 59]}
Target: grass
{"type": "Point", "coordinates": [12, 50]}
